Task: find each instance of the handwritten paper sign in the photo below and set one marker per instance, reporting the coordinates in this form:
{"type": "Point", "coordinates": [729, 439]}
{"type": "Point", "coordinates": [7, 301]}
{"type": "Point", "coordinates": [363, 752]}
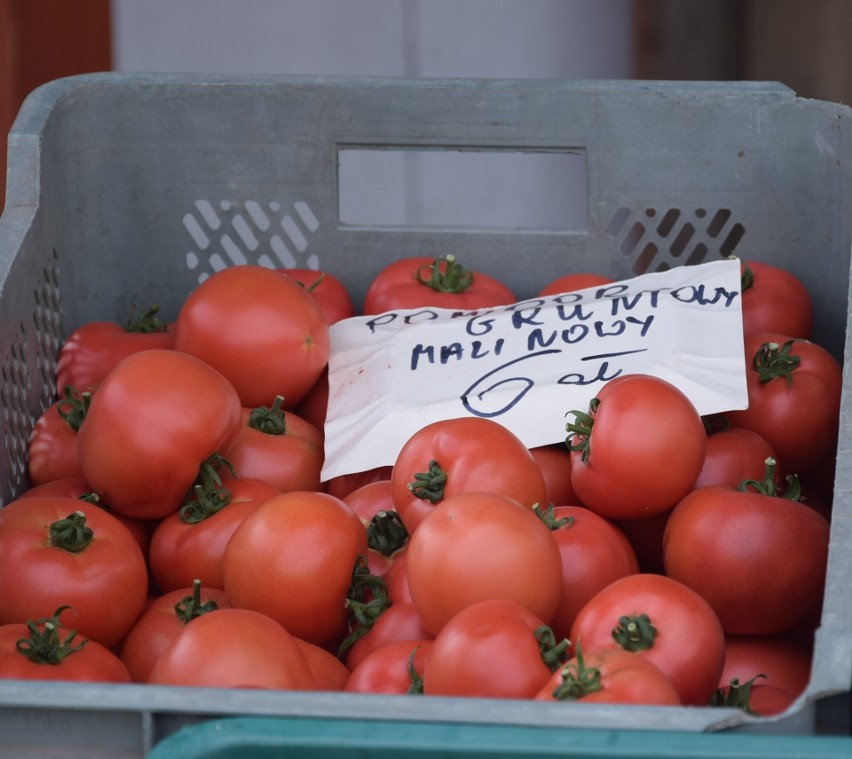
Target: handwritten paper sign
{"type": "Point", "coordinates": [527, 365]}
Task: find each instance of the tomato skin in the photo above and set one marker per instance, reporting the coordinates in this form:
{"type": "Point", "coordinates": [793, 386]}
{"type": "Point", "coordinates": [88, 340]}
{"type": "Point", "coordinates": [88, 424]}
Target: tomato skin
{"type": "Point", "coordinates": [645, 449]}
{"type": "Point", "coordinates": [329, 292]}
{"type": "Point", "coordinates": [52, 447]}
{"type": "Point", "coordinates": [400, 621]}
{"type": "Point", "coordinates": [190, 412]}
{"type": "Point", "coordinates": [92, 351]}
{"type": "Point", "coordinates": [181, 552]}
{"type": "Point", "coordinates": [594, 554]}
{"type": "Point", "coordinates": [291, 460]}
{"type": "Point", "coordinates": [476, 454]}
{"type": "Point", "coordinates": [157, 626]}
{"type": "Point", "coordinates": [327, 671]}
{"type": "Point", "coordinates": [234, 648]}
{"type": "Point", "coordinates": [106, 583]}
{"type": "Point", "coordinates": [487, 650]}
{"type": "Point", "coordinates": [759, 560]}
{"type": "Point", "coordinates": [575, 281]}
{"type": "Point", "coordinates": [781, 666]}
{"type": "Point", "coordinates": [482, 546]}
{"type": "Point", "coordinates": [293, 559]}
{"type": "Point", "coordinates": [625, 678]}
{"type": "Point", "coordinates": [92, 663]}
{"type": "Point", "coordinates": [554, 461]}
{"type": "Point", "coordinates": [733, 455]}
{"type": "Point", "coordinates": [689, 645]}
{"type": "Point", "coordinates": [800, 420]}
{"type": "Point", "coordinates": [385, 669]}
{"type": "Point", "coordinates": [775, 301]}
{"type": "Point", "coordinates": [344, 484]}
{"type": "Point", "coordinates": [264, 332]}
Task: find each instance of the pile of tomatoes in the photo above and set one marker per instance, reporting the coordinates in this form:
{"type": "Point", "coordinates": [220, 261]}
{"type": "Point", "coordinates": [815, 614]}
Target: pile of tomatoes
{"type": "Point", "coordinates": [177, 530]}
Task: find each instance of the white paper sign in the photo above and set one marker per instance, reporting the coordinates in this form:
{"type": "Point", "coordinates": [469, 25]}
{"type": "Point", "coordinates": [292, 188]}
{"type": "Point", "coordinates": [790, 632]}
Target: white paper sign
{"type": "Point", "coordinates": [529, 364]}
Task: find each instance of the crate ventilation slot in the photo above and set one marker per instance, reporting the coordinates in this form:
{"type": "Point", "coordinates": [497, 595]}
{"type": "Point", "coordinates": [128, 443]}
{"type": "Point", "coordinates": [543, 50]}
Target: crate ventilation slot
{"type": "Point", "coordinates": [659, 239]}
{"type": "Point", "coordinates": [269, 234]}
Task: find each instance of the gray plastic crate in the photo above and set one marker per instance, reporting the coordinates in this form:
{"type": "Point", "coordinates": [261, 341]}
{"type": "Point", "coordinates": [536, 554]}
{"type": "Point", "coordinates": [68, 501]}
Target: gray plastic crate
{"type": "Point", "coordinates": [137, 185]}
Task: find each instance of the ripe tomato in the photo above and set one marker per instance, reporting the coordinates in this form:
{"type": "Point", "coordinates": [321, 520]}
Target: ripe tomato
{"type": "Point", "coordinates": [396, 668]}
{"type": "Point", "coordinates": [234, 648]}
{"type": "Point", "coordinates": [663, 620]}
{"type": "Point", "coordinates": [646, 537]}
{"type": "Point", "coordinates": [280, 448]}
{"type": "Point", "coordinates": [734, 454]}
{"type": "Point", "coordinates": [161, 621]}
{"type": "Point", "coordinates": [152, 423]}
{"type": "Point", "coordinates": [58, 552]}
{"type": "Point", "coordinates": [554, 461]}
{"type": "Point", "coordinates": [639, 450]}
{"type": "Point", "coordinates": [344, 484]}
{"type": "Point", "coordinates": [52, 448]}
{"type": "Point", "coordinates": [400, 621]}
{"type": "Point", "coordinates": [794, 391]}
{"type": "Point", "coordinates": [92, 350]}
{"type": "Point", "coordinates": [492, 649]}
{"type": "Point", "coordinates": [462, 455]}
{"type": "Point", "coordinates": [612, 676]}
{"type": "Point", "coordinates": [775, 300]}
{"type": "Point", "coordinates": [763, 674]}
{"type": "Point", "coordinates": [482, 546]}
{"type": "Point", "coordinates": [260, 329]}
{"type": "Point", "coordinates": [293, 559]}
{"type": "Point", "coordinates": [758, 558]}
{"type": "Point", "coordinates": [42, 649]}
{"type": "Point", "coordinates": [575, 281]}
{"type": "Point", "coordinates": [421, 281]}
{"type": "Point", "coordinates": [594, 554]}
{"type": "Point", "coordinates": [327, 671]}
{"type": "Point", "coordinates": [190, 543]}
{"type": "Point", "coordinates": [329, 292]}
{"type": "Point", "coordinates": [313, 407]}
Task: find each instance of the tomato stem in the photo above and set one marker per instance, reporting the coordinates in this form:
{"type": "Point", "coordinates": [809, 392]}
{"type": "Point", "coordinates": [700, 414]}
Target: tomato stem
{"type": "Point", "coordinates": [208, 495]}
{"type": "Point", "coordinates": [71, 534]}
{"type": "Point", "coordinates": [74, 407]}
{"type": "Point", "coordinates": [634, 632]}
{"type": "Point", "coordinates": [550, 521]}
{"type": "Point", "coordinates": [416, 687]}
{"type": "Point", "coordinates": [451, 278]}
{"type": "Point", "coordinates": [773, 361]}
{"type": "Point", "coordinates": [147, 321]}
{"type": "Point", "coordinates": [737, 694]}
{"type": "Point", "coordinates": [269, 420]}
{"type": "Point", "coordinates": [367, 601]}
{"type": "Point", "coordinates": [580, 430]}
{"type": "Point", "coordinates": [553, 653]}
{"type": "Point", "coordinates": [429, 486]}
{"type": "Point", "coordinates": [386, 533]}
{"type": "Point", "coordinates": [190, 607]}
{"type": "Point", "coordinates": [747, 278]}
{"type": "Point", "coordinates": [767, 486]}
{"type": "Point", "coordinates": [578, 680]}
{"type": "Point", "coordinates": [44, 646]}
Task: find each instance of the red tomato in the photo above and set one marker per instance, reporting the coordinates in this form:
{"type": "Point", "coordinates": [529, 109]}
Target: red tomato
{"type": "Point", "coordinates": [576, 281]}
{"type": "Point", "coordinates": [646, 537]}
{"type": "Point", "coordinates": [775, 300]}
{"type": "Point", "coordinates": [281, 448]}
{"type": "Point", "coordinates": [43, 649]}
{"type": "Point", "coordinates": [234, 648]}
{"type": "Point", "coordinates": [329, 292]}
{"type": "Point", "coordinates": [482, 546]}
{"type": "Point", "coordinates": [555, 464]}
{"type": "Point", "coordinates": [462, 455]}
{"type": "Point", "coordinates": [314, 406]}
{"type": "Point", "coordinates": [400, 621]}
{"type": "Point", "coordinates": [396, 668]}
{"type": "Point", "coordinates": [594, 554]}
{"type": "Point", "coordinates": [758, 558]}
{"type": "Point", "coordinates": [763, 674]}
{"type": "Point", "coordinates": [421, 282]}
{"type": "Point", "coordinates": [639, 450]}
{"type": "Point", "coordinates": [386, 534]}
{"type": "Point", "coordinates": [93, 349]}
{"type": "Point", "coordinates": [163, 619]}
{"type": "Point", "coordinates": [344, 484]}
{"type": "Point", "coordinates": [396, 578]}
{"type": "Point", "coordinates": [52, 448]}
{"type": "Point", "coordinates": [264, 332]}
{"type": "Point", "coordinates": [190, 543]}
{"type": "Point", "coordinates": [491, 649]}
{"type": "Point", "coordinates": [59, 552]}
{"type": "Point", "coordinates": [734, 454]}
{"type": "Point", "coordinates": [663, 620]}
{"type": "Point", "coordinates": [293, 559]}
{"type": "Point", "coordinates": [153, 422]}
{"type": "Point", "coordinates": [794, 391]}
{"type": "Point", "coordinates": [328, 672]}
{"type": "Point", "coordinates": [612, 676]}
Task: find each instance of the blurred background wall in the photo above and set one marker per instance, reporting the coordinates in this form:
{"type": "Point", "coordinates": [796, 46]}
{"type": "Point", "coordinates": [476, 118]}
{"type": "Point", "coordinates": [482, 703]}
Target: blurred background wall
{"type": "Point", "coordinates": [799, 42]}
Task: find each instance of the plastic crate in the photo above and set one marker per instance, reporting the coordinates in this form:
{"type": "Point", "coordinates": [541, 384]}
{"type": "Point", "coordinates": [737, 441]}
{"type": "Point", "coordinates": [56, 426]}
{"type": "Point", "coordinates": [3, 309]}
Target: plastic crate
{"type": "Point", "coordinates": [140, 185]}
